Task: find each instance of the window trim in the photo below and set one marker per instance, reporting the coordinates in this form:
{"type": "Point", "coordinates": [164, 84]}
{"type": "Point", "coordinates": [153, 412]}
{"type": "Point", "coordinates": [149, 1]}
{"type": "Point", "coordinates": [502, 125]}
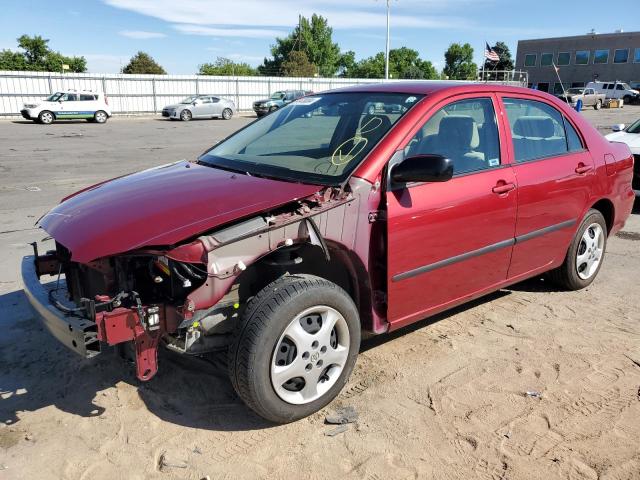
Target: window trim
{"type": "Point", "coordinates": [563, 64]}
{"type": "Point", "coordinates": [575, 56]}
{"type": "Point", "coordinates": [595, 56]}
{"type": "Point", "coordinates": [535, 61]}
{"type": "Point", "coordinates": [620, 50]}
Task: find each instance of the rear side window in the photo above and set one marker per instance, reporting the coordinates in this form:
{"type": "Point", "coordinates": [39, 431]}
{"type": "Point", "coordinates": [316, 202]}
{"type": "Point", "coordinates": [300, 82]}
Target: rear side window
{"type": "Point", "coordinates": [87, 98]}
{"type": "Point", "coordinates": [466, 132]}
{"type": "Point", "coordinates": [538, 130]}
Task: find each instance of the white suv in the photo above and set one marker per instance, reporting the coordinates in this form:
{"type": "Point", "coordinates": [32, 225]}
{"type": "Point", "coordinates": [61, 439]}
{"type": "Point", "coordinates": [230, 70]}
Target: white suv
{"type": "Point", "coordinates": [70, 104]}
{"type": "Point", "coordinates": [615, 90]}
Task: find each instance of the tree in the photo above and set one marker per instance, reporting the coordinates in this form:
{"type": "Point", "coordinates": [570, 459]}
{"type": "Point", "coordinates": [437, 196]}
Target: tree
{"type": "Point", "coordinates": [505, 62]}
{"type": "Point", "coordinates": [314, 37]}
{"type": "Point", "coordinates": [298, 65]}
{"type": "Point", "coordinates": [225, 66]}
{"type": "Point", "coordinates": [37, 56]}
{"type": "Point", "coordinates": [12, 61]}
{"type": "Point", "coordinates": [142, 62]}
{"type": "Point", "coordinates": [403, 63]}
{"type": "Point", "coordinates": [459, 62]}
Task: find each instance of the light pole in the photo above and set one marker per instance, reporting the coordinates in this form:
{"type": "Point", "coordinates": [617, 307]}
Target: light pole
{"type": "Point", "coordinates": [386, 54]}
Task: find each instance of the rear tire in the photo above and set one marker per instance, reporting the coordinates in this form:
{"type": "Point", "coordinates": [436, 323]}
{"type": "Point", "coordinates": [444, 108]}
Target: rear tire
{"type": "Point", "coordinates": [46, 117]}
{"type": "Point", "coordinates": [585, 255]}
{"type": "Point", "coordinates": [185, 116]}
{"type": "Point", "coordinates": [227, 113]}
{"type": "Point", "coordinates": [276, 357]}
{"type": "Point", "coordinates": [100, 117]}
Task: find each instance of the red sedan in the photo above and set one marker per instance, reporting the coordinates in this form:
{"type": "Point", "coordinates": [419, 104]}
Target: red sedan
{"type": "Point", "coordinates": [327, 218]}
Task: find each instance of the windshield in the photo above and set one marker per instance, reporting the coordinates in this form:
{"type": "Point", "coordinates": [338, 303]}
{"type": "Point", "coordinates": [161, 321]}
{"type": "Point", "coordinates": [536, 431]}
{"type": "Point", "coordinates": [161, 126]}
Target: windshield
{"type": "Point", "coordinates": [55, 97]}
{"type": "Point", "coordinates": [634, 127]}
{"type": "Point", "coordinates": [317, 139]}
{"type": "Point", "coordinates": [190, 99]}
{"type": "Point", "coordinates": [625, 86]}
{"type": "Point", "coordinates": [277, 96]}
{"type": "Point", "coordinates": [576, 90]}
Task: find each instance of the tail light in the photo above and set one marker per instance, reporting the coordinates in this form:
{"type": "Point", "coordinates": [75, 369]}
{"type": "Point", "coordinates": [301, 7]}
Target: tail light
{"type": "Point", "coordinates": [106, 100]}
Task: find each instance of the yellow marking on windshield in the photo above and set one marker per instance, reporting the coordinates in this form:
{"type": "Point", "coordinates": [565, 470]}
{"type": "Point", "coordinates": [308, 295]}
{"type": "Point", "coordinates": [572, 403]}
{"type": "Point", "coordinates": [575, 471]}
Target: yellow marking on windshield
{"type": "Point", "coordinates": [359, 143]}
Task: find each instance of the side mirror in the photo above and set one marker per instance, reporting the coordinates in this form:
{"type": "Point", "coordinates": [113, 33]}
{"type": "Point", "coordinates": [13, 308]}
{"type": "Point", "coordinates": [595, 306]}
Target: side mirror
{"type": "Point", "coordinates": [619, 127]}
{"type": "Point", "coordinates": [423, 168]}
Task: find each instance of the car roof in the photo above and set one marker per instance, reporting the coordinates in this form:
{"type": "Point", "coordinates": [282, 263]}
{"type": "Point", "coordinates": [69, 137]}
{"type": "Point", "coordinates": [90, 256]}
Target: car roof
{"type": "Point", "coordinates": [431, 87]}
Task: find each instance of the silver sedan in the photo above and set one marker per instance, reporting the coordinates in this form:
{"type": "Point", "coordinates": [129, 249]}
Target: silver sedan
{"type": "Point", "coordinates": [200, 106]}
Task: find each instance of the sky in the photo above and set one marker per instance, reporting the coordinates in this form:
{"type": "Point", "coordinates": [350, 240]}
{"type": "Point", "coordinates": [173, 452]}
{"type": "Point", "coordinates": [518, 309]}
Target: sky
{"type": "Point", "coordinates": [182, 34]}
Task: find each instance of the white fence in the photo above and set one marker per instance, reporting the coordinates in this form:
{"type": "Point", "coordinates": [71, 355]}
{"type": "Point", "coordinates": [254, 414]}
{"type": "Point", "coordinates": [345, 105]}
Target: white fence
{"type": "Point", "coordinates": [149, 93]}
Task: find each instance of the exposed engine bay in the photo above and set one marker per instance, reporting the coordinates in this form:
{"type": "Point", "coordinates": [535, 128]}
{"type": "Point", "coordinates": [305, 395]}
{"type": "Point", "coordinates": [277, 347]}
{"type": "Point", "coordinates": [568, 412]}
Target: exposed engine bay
{"type": "Point", "coordinates": [189, 297]}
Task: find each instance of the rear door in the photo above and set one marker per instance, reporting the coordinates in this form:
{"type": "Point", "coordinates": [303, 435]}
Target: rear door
{"type": "Point", "coordinates": [448, 241]}
{"type": "Point", "coordinates": [555, 173]}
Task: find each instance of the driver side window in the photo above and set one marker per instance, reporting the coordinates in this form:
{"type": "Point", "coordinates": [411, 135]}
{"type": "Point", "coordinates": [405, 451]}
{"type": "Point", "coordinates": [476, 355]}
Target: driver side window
{"type": "Point", "coordinates": [466, 132]}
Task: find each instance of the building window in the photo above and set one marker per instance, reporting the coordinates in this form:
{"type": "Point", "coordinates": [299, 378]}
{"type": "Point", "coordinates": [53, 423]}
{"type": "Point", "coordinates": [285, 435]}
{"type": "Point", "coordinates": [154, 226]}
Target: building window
{"type": "Point", "coordinates": [543, 87]}
{"type": "Point", "coordinates": [546, 59]}
{"type": "Point", "coordinates": [582, 57]}
{"type": "Point", "coordinates": [636, 57]}
{"type": "Point", "coordinates": [601, 56]}
{"type": "Point", "coordinates": [621, 56]}
{"type": "Point", "coordinates": [530, 60]}
{"type": "Point", "coordinates": [577, 84]}
{"type": "Point", "coordinates": [564, 58]}
{"type": "Point", "coordinates": [557, 88]}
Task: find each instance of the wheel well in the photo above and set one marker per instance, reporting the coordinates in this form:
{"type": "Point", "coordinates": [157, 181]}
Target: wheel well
{"type": "Point", "coordinates": [342, 268]}
{"type": "Point", "coordinates": [605, 207]}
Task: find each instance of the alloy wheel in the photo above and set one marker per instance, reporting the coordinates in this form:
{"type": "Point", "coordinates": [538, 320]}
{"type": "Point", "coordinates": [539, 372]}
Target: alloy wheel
{"type": "Point", "coordinates": [590, 251]}
{"type": "Point", "coordinates": [310, 355]}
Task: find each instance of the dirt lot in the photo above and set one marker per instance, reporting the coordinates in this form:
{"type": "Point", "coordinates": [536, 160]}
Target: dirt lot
{"type": "Point", "coordinates": [444, 399]}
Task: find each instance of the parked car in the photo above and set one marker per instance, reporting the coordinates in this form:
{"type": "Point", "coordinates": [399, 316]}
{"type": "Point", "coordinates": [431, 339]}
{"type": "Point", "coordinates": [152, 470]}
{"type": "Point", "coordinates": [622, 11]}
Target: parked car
{"type": "Point", "coordinates": [200, 106]}
{"type": "Point", "coordinates": [287, 240]}
{"type": "Point", "coordinates": [69, 105]}
{"type": "Point", "coordinates": [277, 100]}
{"type": "Point", "coordinates": [631, 136]}
{"type": "Point", "coordinates": [588, 96]}
{"type": "Point", "coordinates": [617, 90]}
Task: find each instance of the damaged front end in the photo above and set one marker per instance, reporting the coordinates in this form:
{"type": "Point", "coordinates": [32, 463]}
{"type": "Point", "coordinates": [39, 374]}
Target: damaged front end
{"type": "Point", "coordinates": [188, 297]}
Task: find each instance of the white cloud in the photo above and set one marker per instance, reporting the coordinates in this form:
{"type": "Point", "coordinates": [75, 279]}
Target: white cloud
{"type": "Point", "coordinates": [227, 32]}
{"type": "Point", "coordinates": [284, 13]}
{"type": "Point", "coordinates": [140, 35]}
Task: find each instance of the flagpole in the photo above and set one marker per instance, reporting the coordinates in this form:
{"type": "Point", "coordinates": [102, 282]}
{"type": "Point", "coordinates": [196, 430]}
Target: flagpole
{"type": "Point", "coordinates": [484, 60]}
{"type": "Point", "coordinates": [560, 80]}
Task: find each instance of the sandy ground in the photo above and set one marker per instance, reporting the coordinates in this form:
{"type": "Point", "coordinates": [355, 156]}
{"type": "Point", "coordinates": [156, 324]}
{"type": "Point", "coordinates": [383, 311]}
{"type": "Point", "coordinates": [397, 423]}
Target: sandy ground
{"type": "Point", "coordinates": [443, 399]}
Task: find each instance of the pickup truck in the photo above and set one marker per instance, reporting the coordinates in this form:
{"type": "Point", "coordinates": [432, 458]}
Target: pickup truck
{"type": "Point", "coordinates": [588, 96]}
{"type": "Point", "coordinates": [285, 243]}
{"type": "Point", "coordinates": [277, 100]}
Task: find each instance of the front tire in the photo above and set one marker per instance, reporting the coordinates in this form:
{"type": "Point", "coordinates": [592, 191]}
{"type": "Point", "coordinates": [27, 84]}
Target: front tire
{"type": "Point", "coordinates": [598, 105]}
{"type": "Point", "coordinates": [585, 255]}
{"type": "Point", "coordinates": [294, 348]}
{"type": "Point", "coordinates": [185, 116]}
{"type": "Point", "coordinates": [46, 117]}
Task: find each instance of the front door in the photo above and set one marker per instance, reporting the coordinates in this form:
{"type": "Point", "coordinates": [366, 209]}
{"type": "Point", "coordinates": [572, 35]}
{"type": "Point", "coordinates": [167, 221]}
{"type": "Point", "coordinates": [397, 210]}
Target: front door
{"type": "Point", "coordinates": [451, 240]}
{"type": "Point", "coordinates": [72, 107]}
{"type": "Point", "coordinates": [555, 173]}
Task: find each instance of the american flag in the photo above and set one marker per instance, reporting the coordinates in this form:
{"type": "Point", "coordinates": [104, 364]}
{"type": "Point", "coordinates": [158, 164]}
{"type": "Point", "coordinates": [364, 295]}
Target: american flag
{"type": "Point", "coordinates": [491, 55]}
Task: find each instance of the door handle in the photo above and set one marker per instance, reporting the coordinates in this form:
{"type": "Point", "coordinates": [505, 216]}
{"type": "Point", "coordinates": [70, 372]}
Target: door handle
{"type": "Point", "coordinates": [503, 187]}
{"type": "Point", "coordinates": [582, 168]}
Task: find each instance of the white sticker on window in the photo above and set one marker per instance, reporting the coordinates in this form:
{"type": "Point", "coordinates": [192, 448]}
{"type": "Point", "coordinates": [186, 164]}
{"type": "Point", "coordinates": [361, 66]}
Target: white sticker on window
{"type": "Point", "coordinates": [306, 100]}
{"type": "Point", "coordinates": [494, 162]}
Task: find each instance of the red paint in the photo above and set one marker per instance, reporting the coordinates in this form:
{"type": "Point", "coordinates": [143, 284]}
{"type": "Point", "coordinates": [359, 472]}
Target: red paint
{"type": "Point", "coordinates": [425, 224]}
{"type": "Point", "coordinates": [161, 206]}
